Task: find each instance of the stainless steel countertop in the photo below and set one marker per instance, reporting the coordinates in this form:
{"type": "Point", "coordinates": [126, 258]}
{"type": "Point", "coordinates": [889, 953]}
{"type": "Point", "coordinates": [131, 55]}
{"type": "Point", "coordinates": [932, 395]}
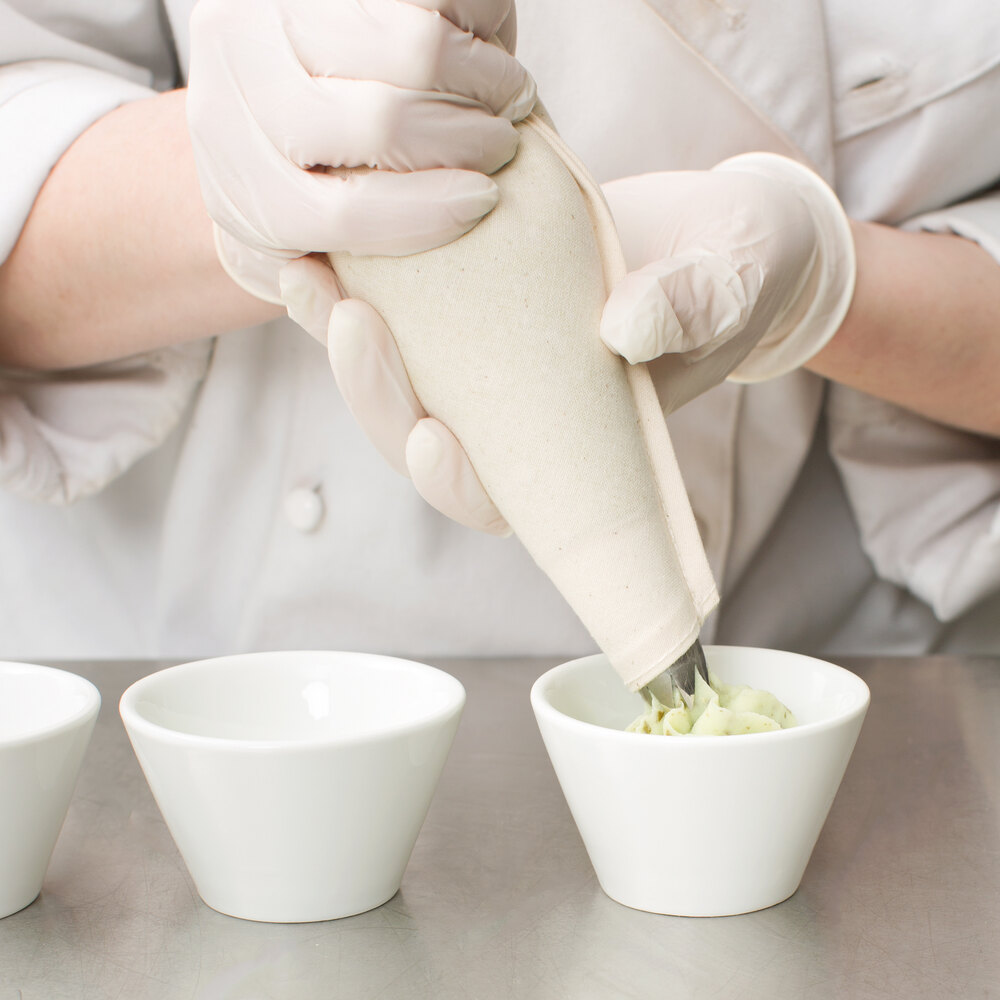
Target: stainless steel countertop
{"type": "Point", "coordinates": [901, 898]}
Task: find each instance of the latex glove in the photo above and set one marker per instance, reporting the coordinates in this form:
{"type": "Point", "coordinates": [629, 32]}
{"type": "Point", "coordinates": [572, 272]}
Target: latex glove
{"type": "Point", "coordinates": [741, 272]}
{"type": "Point", "coordinates": [373, 381]}
{"type": "Point", "coordinates": [283, 93]}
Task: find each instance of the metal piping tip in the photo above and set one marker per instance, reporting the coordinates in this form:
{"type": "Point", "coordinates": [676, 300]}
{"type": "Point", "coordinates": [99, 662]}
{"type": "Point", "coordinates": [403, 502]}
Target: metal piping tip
{"type": "Point", "coordinates": [679, 677]}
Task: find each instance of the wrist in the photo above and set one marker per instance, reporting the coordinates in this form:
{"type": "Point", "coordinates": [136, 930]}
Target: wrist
{"type": "Point", "coordinates": [921, 330]}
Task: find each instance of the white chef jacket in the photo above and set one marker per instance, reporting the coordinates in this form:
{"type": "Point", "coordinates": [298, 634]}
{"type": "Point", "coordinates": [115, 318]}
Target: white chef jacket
{"type": "Point", "coordinates": [218, 497]}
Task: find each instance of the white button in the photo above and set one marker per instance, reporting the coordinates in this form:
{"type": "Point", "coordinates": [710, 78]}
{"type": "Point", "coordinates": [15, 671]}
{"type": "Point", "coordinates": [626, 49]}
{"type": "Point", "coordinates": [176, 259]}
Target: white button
{"type": "Point", "coordinates": [304, 509]}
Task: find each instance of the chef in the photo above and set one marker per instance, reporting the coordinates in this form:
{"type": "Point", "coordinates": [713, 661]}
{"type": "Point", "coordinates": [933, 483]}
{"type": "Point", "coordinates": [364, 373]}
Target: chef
{"type": "Point", "coordinates": [181, 474]}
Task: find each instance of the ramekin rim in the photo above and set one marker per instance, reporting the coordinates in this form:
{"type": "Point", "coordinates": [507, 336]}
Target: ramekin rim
{"type": "Point", "coordinates": [135, 722]}
{"type": "Point", "coordinates": [85, 714]}
{"type": "Point", "coordinates": [543, 708]}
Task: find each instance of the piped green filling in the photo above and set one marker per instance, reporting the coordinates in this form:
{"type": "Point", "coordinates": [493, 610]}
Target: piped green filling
{"type": "Point", "coordinates": [719, 710]}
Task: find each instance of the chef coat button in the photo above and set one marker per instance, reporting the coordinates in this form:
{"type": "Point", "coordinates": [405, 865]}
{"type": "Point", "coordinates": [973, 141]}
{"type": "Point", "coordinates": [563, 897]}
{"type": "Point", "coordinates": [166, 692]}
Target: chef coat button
{"type": "Point", "coordinates": [304, 509]}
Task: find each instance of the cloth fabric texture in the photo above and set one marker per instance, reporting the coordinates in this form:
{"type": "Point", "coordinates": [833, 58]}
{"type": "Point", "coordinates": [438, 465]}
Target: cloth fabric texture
{"type": "Point", "coordinates": [499, 334]}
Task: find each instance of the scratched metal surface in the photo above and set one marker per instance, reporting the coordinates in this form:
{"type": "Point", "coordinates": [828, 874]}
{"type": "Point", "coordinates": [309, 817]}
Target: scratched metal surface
{"type": "Point", "coordinates": [901, 898]}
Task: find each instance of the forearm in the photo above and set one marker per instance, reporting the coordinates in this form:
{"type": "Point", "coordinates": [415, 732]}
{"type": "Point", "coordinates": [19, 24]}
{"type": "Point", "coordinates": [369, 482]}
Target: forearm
{"type": "Point", "coordinates": [117, 255]}
{"type": "Point", "coordinates": [923, 330]}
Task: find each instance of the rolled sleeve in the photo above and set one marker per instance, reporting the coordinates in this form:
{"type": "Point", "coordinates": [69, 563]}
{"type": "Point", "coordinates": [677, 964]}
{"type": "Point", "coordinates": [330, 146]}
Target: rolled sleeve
{"type": "Point", "coordinates": [977, 219]}
{"type": "Point", "coordinates": [66, 435]}
{"type": "Point", "coordinates": [925, 497]}
{"type": "Point", "coordinates": [45, 104]}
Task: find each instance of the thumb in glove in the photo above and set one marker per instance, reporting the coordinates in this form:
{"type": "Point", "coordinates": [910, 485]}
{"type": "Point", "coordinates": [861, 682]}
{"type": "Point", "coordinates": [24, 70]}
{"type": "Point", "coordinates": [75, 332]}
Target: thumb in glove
{"type": "Point", "coordinates": [742, 272]}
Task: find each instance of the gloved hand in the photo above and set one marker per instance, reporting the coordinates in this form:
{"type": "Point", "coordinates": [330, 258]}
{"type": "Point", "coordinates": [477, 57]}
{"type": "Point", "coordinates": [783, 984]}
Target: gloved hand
{"type": "Point", "coordinates": [284, 93]}
{"type": "Point", "coordinates": [742, 272]}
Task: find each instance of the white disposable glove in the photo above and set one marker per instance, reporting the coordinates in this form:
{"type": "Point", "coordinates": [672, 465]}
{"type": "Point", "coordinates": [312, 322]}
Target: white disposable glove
{"type": "Point", "coordinates": [742, 272]}
{"type": "Point", "coordinates": [284, 93]}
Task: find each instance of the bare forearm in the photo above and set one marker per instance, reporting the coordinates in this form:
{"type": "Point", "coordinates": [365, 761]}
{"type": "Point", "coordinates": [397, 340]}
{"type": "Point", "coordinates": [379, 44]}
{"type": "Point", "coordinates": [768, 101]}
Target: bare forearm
{"type": "Point", "coordinates": [923, 330]}
{"type": "Point", "coordinates": [117, 256]}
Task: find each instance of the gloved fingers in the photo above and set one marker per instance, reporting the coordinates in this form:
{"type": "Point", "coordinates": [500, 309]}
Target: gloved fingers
{"type": "Point", "coordinates": [363, 212]}
{"type": "Point", "coordinates": [484, 18]}
{"type": "Point", "coordinates": [443, 475]}
{"type": "Point", "coordinates": [650, 212]}
{"type": "Point", "coordinates": [677, 305]}
{"type": "Point", "coordinates": [309, 291]}
{"type": "Point", "coordinates": [372, 379]}
{"type": "Point", "coordinates": [383, 212]}
{"type": "Point", "coordinates": [506, 33]}
{"type": "Point", "coordinates": [728, 211]}
{"type": "Point", "coordinates": [276, 86]}
{"type": "Point", "coordinates": [814, 311]}
{"type": "Point", "coordinates": [744, 271]}
{"type": "Point", "coordinates": [254, 271]}
{"type": "Point", "coordinates": [273, 206]}
{"type": "Point", "coordinates": [344, 123]}
{"type": "Point", "coordinates": [410, 47]}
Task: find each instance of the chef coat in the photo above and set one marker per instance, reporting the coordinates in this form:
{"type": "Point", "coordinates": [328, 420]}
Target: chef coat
{"type": "Point", "coordinates": [218, 496]}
